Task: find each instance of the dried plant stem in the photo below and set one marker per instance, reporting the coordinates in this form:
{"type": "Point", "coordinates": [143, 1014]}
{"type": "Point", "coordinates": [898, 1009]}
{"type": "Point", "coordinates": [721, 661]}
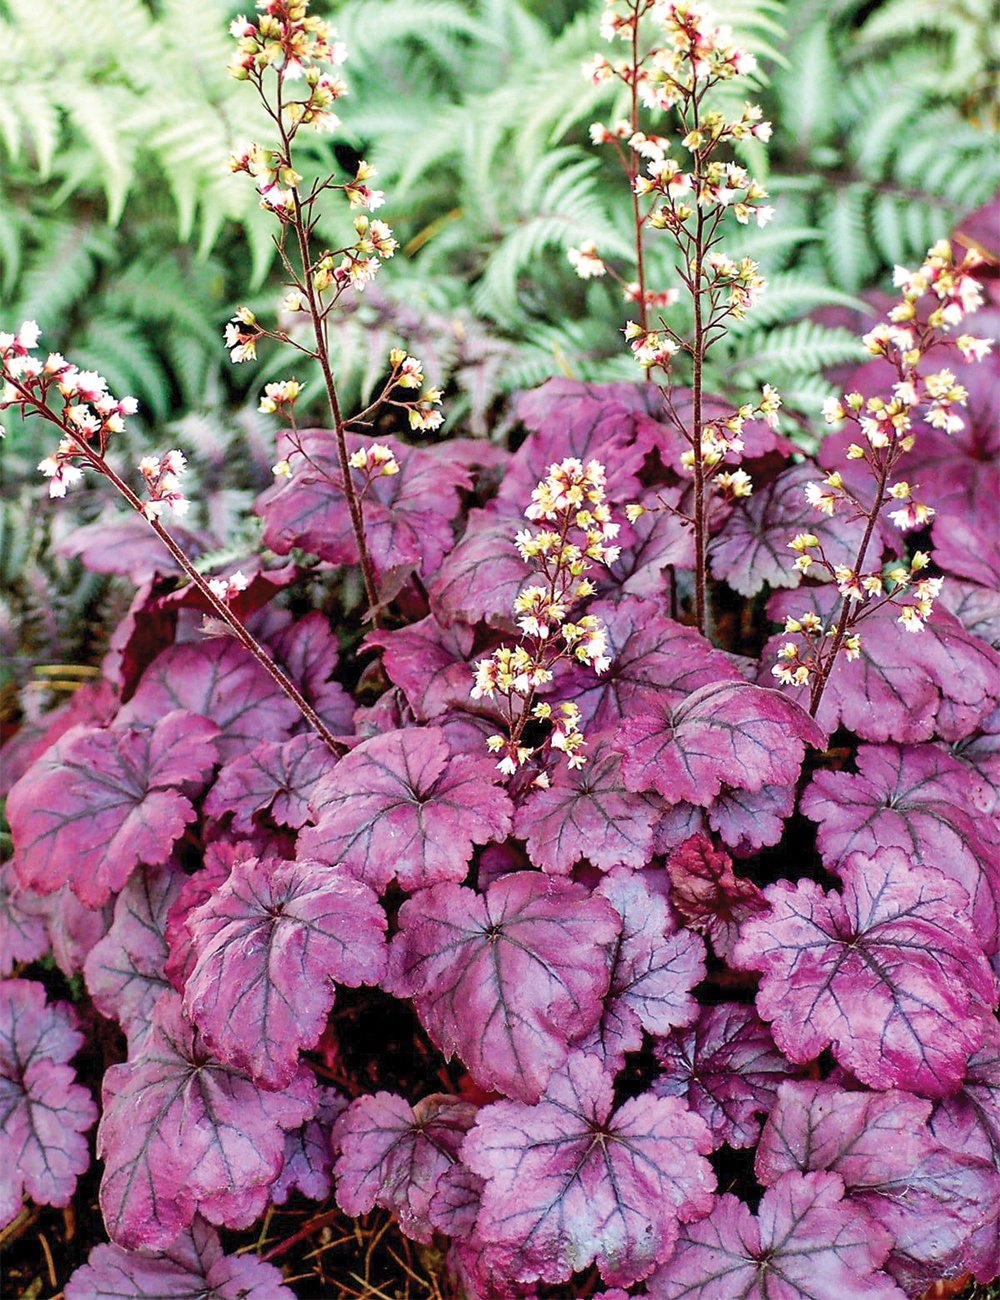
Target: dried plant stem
{"type": "Point", "coordinates": [219, 607]}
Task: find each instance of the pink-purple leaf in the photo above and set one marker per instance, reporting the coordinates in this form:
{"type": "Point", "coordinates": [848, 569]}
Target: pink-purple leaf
{"type": "Point", "coordinates": [928, 1199]}
{"type": "Point", "coordinates": [484, 573]}
{"type": "Point", "coordinates": [708, 895]}
{"type": "Point", "coordinates": [752, 551]}
{"type": "Point", "coordinates": [125, 972]}
{"type": "Point", "coordinates": [191, 1268]}
{"type": "Point", "coordinates": [194, 891]}
{"type": "Point", "coordinates": [99, 802]}
{"type": "Point", "coordinates": [129, 546]}
{"type": "Point", "coordinates": [394, 1155]}
{"type": "Point", "coordinates": [181, 1132]}
{"type": "Point", "coordinates": [888, 973]}
{"type": "Point", "coordinates": [654, 662]}
{"type": "Point", "coordinates": [727, 733]}
{"type": "Point", "coordinates": [654, 968]}
{"type": "Point", "coordinates": [429, 663]}
{"type": "Point", "coordinates": [308, 651]}
{"type": "Point", "coordinates": [269, 946]}
{"type": "Point", "coordinates": [218, 680]}
{"type": "Point", "coordinates": [506, 980]}
{"type": "Point", "coordinates": [402, 806]}
{"type": "Point", "coordinates": [658, 540]}
{"type": "Point", "coordinates": [588, 813]}
{"type": "Point", "coordinates": [44, 1112]}
{"type": "Point", "coordinates": [568, 1183]}
{"type": "Point", "coordinates": [806, 1243]}
{"type": "Point", "coordinates": [727, 1070]}
{"type": "Point", "coordinates": [965, 548]}
{"type": "Point", "coordinates": [407, 516]}
{"type": "Point", "coordinates": [976, 608]}
{"type": "Point", "coordinates": [23, 935]}
{"type": "Point", "coordinates": [588, 421]}
{"type": "Point", "coordinates": [747, 820]}
{"type": "Point", "coordinates": [903, 687]}
{"type": "Point", "coordinates": [276, 777]}
{"type": "Point", "coordinates": [308, 1152]}
{"type": "Point", "coordinates": [914, 798]}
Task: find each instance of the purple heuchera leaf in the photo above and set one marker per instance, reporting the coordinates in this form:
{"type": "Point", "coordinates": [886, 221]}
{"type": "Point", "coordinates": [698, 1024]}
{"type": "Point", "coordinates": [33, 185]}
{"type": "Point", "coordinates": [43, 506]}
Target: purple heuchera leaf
{"type": "Point", "coordinates": [481, 577]}
{"type": "Point", "coordinates": [976, 608]}
{"type": "Point", "coordinates": [23, 936]}
{"type": "Point", "coordinates": [277, 776]}
{"type": "Point", "coordinates": [969, 1123]}
{"type": "Point", "coordinates": [708, 895]}
{"type": "Point", "coordinates": [806, 1243]}
{"type": "Point", "coordinates": [308, 651]}
{"type": "Point", "coordinates": [965, 548]}
{"type": "Point", "coordinates": [506, 980]}
{"type": "Point", "coordinates": [130, 547]}
{"type": "Point", "coordinates": [654, 968]}
{"type": "Point", "coordinates": [191, 1268]}
{"type": "Point", "coordinates": [979, 755]}
{"type": "Point", "coordinates": [653, 660]}
{"type": "Point", "coordinates": [928, 1199]}
{"type": "Point", "coordinates": [269, 945]}
{"type": "Point", "coordinates": [181, 1132]}
{"type": "Point", "coordinates": [903, 687]}
{"type": "Point", "coordinates": [657, 540]}
{"type": "Point", "coordinates": [308, 1152]}
{"type": "Point", "coordinates": [888, 973]}
{"type": "Point", "coordinates": [588, 421]}
{"type": "Point", "coordinates": [430, 664]}
{"type": "Point", "coordinates": [99, 802]}
{"type": "Point", "coordinates": [125, 971]}
{"type": "Point", "coordinates": [407, 516]}
{"type": "Point", "coordinates": [727, 733]}
{"type": "Point", "coordinates": [726, 1068]}
{"type": "Point", "coordinates": [747, 820]}
{"type": "Point", "coordinates": [194, 891]}
{"type": "Point", "coordinates": [219, 680]}
{"type": "Point", "coordinates": [73, 929]}
{"type": "Point", "coordinates": [752, 551]}
{"type": "Point", "coordinates": [588, 813]}
{"type": "Point", "coordinates": [915, 798]}
{"type": "Point", "coordinates": [44, 1112]}
{"type": "Point", "coordinates": [568, 1183]}
{"type": "Point", "coordinates": [393, 1155]}
{"type": "Point", "coordinates": [402, 806]}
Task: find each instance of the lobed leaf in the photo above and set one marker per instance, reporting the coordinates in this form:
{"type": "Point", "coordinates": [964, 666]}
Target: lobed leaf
{"type": "Point", "coordinates": [654, 968]}
{"type": "Point", "coordinates": [914, 798]}
{"type": "Point", "coordinates": [888, 973]}
{"type": "Point", "coordinates": [99, 802]}
{"type": "Point", "coordinates": [182, 1133]}
{"type": "Point", "coordinates": [44, 1112]}
{"type": "Point", "coordinates": [727, 1070]}
{"type": "Point", "coordinates": [568, 1183]}
{"type": "Point", "coordinates": [269, 945]}
{"type": "Point", "coordinates": [125, 972]}
{"type": "Point", "coordinates": [191, 1268]}
{"type": "Point", "coordinates": [805, 1243]}
{"type": "Point", "coordinates": [507, 980]}
{"type": "Point", "coordinates": [587, 813]}
{"type": "Point", "coordinates": [278, 777]}
{"type": "Point", "coordinates": [403, 806]}
{"type": "Point", "coordinates": [395, 1155]}
{"type": "Point", "coordinates": [726, 733]}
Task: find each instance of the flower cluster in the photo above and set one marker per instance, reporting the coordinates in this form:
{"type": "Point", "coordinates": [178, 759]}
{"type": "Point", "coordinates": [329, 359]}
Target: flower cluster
{"type": "Point", "coordinates": [162, 480]}
{"type": "Point", "coordinates": [577, 531]}
{"type": "Point", "coordinates": [935, 298]}
{"type": "Point", "coordinates": [227, 588]}
{"type": "Point", "coordinates": [288, 38]}
{"type": "Point", "coordinates": [374, 461]}
{"type": "Point", "coordinates": [89, 415]}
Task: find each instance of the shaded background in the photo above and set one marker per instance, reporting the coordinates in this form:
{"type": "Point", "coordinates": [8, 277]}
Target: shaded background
{"type": "Point", "coordinates": [126, 238]}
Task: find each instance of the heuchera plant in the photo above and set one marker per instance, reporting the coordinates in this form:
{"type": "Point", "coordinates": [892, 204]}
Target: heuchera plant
{"type": "Point", "coordinates": [716, 928]}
